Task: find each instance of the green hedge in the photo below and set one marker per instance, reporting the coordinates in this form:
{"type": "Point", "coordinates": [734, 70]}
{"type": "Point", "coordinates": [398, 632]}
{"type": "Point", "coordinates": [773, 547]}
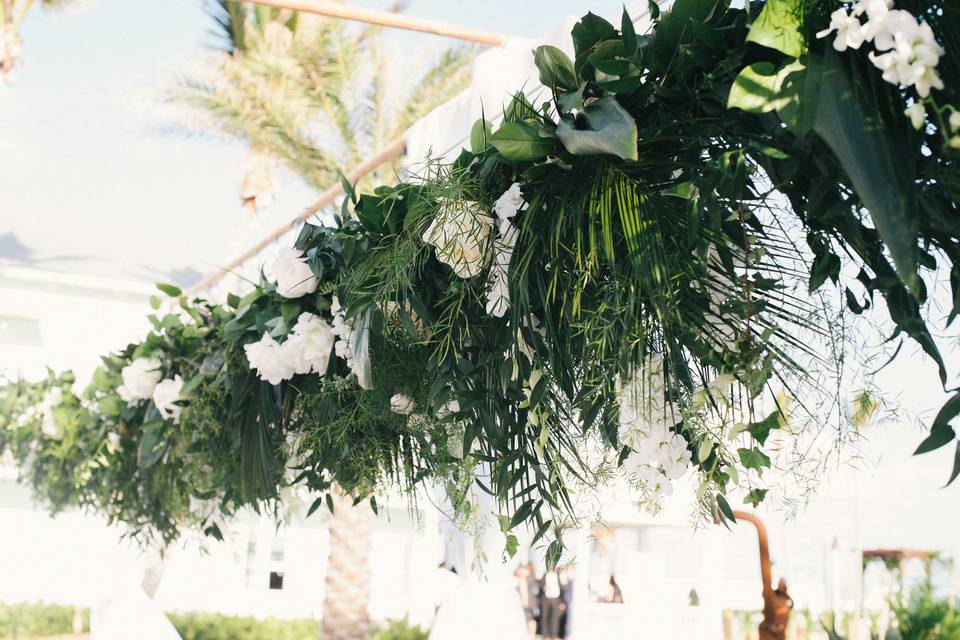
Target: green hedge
{"type": "Point", "coordinates": [38, 619]}
{"type": "Point", "coordinates": [213, 626]}
{"type": "Point", "coordinates": [398, 630]}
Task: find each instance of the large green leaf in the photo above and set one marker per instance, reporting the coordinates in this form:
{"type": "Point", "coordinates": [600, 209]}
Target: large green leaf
{"type": "Point", "coordinates": [519, 142]}
{"type": "Point", "coordinates": [855, 132]}
{"type": "Point", "coordinates": [605, 127]}
{"type": "Point", "coordinates": [556, 69]}
{"type": "Point", "coordinates": [778, 27]}
{"type": "Point", "coordinates": [755, 89]}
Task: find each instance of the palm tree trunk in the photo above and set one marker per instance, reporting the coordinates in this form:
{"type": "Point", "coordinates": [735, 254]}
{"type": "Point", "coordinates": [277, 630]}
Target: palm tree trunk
{"type": "Point", "coordinates": [347, 583]}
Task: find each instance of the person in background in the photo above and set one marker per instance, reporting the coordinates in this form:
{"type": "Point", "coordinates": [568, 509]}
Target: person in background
{"type": "Point", "coordinates": [566, 588]}
{"type": "Point", "coordinates": [552, 606]}
{"type": "Point", "coordinates": [614, 594]}
{"type": "Point", "coordinates": [527, 586]}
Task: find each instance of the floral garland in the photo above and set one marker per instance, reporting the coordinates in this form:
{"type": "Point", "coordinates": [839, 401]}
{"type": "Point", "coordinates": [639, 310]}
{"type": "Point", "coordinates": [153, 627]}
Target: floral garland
{"type": "Point", "coordinates": [610, 286]}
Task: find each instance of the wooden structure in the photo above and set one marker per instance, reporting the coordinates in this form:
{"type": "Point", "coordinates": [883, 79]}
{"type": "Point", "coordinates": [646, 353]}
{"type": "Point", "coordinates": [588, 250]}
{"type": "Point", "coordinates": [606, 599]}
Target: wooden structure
{"type": "Point", "coordinates": [777, 603]}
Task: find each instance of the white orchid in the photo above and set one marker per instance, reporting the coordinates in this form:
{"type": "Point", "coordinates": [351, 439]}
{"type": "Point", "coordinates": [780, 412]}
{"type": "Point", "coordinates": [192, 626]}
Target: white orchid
{"type": "Point", "coordinates": [917, 114]}
{"type": "Point", "coordinates": [139, 379]}
{"type": "Point", "coordinates": [308, 347]}
{"type": "Point", "coordinates": [289, 269]}
{"type": "Point", "coordinates": [460, 233]}
{"type": "Point", "coordinates": [343, 330]}
{"type": "Point", "coordinates": [955, 121]}
{"type": "Point", "coordinates": [850, 32]}
{"type": "Point", "coordinates": [268, 358]}
{"type": "Point", "coordinates": [165, 396]}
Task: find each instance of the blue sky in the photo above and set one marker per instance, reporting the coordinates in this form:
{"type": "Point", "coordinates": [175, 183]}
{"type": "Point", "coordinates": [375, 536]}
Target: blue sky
{"type": "Point", "coordinates": [89, 183]}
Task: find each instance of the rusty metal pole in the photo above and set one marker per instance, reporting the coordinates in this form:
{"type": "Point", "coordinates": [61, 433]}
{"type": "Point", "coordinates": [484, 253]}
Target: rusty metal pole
{"type": "Point", "coordinates": [776, 602]}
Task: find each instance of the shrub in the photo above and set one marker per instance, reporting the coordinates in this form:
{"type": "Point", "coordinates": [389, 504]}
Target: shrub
{"type": "Point", "coordinates": [398, 630]}
{"type": "Point", "coordinates": [924, 617]}
{"type": "Point", "coordinates": [38, 619]}
{"type": "Point", "coordinates": [214, 626]}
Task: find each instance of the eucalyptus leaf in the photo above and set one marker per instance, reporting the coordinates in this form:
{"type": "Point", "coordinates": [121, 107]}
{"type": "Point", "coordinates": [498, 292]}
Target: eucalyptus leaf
{"type": "Point", "coordinates": [151, 446]}
{"type": "Point", "coordinates": [604, 127]}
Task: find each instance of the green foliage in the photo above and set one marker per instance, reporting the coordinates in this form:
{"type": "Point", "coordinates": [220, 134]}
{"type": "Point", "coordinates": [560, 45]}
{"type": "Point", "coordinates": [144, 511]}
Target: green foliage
{"type": "Point", "coordinates": [291, 87]}
{"type": "Point", "coordinates": [39, 619]}
{"type": "Point", "coordinates": [214, 626]}
{"type": "Point", "coordinates": [922, 616]}
{"type": "Point", "coordinates": [655, 254]}
{"type": "Point", "coordinates": [398, 630]}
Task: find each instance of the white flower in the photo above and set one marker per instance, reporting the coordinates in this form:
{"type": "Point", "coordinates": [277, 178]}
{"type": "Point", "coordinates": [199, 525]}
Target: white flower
{"type": "Point", "coordinates": [402, 404]}
{"type": "Point", "coordinates": [48, 425]}
{"type": "Point", "coordinates": [929, 80]}
{"type": "Point", "coordinates": [498, 286]}
{"type": "Point", "coordinates": [460, 235]}
{"type": "Point", "coordinates": [508, 204]}
{"type": "Point", "coordinates": [165, 396]}
{"type": "Point", "coordinates": [455, 433]}
{"type": "Point", "coordinates": [912, 52]}
{"type": "Point", "coordinates": [645, 413]}
{"type": "Point", "coordinates": [291, 273]}
{"type": "Point", "coordinates": [418, 421]}
{"type": "Point", "coordinates": [955, 120]}
{"type": "Point", "coordinates": [267, 357]}
{"type": "Point", "coordinates": [139, 379]}
{"type": "Point", "coordinates": [343, 330]}
{"type": "Point", "coordinates": [850, 33]}
{"type": "Point", "coordinates": [449, 408]}
{"type": "Point", "coordinates": [308, 347]}
{"type": "Point", "coordinates": [917, 115]}
{"type": "Point", "coordinates": [113, 441]}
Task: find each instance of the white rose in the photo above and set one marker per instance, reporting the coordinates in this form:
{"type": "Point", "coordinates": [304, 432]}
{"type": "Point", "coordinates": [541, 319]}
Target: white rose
{"type": "Point", "coordinates": [292, 274]}
{"type": "Point", "coordinates": [139, 379]}
{"type": "Point", "coordinates": [267, 357]}
{"type": "Point", "coordinates": [308, 347]}
{"type": "Point", "coordinates": [165, 396]}
{"type": "Point", "coordinates": [402, 404]}
{"type": "Point", "coordinates": [460, 234]}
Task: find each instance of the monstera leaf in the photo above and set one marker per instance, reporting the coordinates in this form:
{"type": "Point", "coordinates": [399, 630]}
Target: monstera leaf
{"type": "Point", "coordinates": [602, 127]}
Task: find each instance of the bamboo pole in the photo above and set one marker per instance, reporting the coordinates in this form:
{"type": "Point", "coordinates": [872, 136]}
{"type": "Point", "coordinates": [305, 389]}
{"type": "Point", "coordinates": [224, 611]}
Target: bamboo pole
{"type": "Point", "coordinates": [393, 150]}
{"type": "Point", "coordinates": [387, 19]}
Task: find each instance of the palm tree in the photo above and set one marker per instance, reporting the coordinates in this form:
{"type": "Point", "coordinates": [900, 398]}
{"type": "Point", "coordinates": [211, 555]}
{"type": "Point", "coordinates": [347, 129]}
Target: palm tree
{"type": "Point", "coordinates": [319, 96]}
{"type": "Point", "coordinates": [316, 94]}
{"type": "Point", "coordinates": [12, 13]}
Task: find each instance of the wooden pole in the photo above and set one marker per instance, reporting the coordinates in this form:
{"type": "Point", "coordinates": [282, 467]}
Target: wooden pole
{"type": "Point", "coordinates": [387, 19]}
{"type": "Point", "coordinates": [776, 602]}
{"type": "Point", "coordinates": [394, 150]}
